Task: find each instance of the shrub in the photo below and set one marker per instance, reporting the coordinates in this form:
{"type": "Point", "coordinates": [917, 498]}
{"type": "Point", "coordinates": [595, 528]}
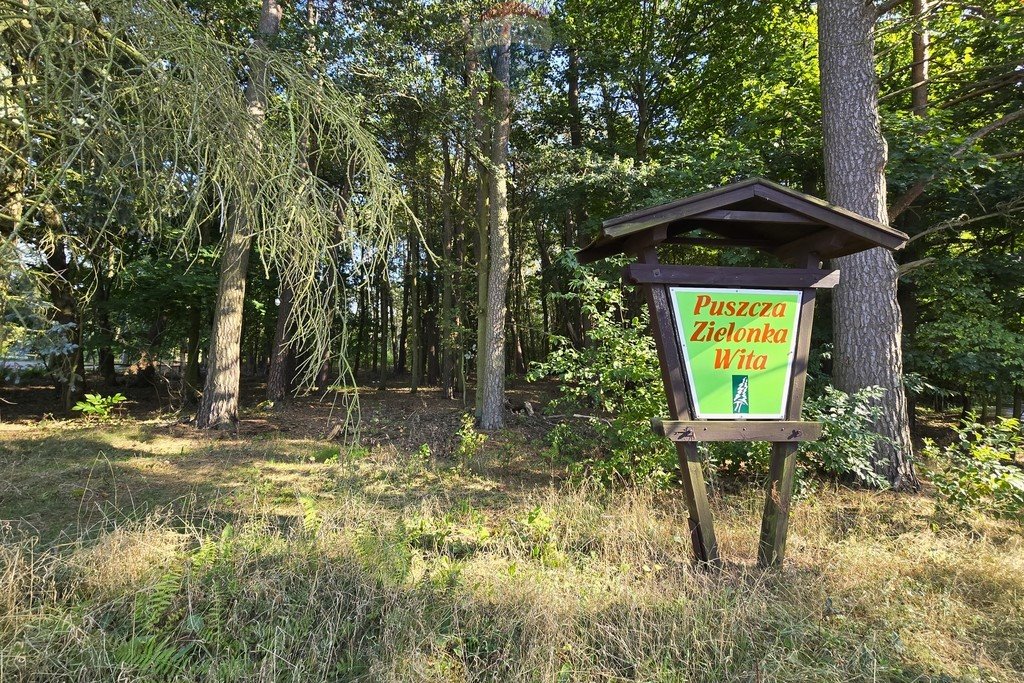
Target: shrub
{"type": "Point", "coordinates": [847, 438]}
{"type": "Point", "coordinates": [979, 471]}
{"type": "Point", "coordinates": [616, 378]}
{"type": "Point", "coordinates": [470, 441]}
{"type": "Point", "coordinates": [95, 405]}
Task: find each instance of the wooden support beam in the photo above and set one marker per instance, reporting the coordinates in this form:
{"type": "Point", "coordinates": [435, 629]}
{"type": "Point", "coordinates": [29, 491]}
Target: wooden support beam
{"type": "Point", "coordinates": [771, 550]}
{"type": "Point", "coordinates": [713, 276]}
{"type": "Point", "coordinates": [785, 217]}
{"type": "Point", "coordinates": [821, 242]}
{"type": "Point", "coordinates": [702, 527]}
{"type": "Point", "coordinates": [738, 430]}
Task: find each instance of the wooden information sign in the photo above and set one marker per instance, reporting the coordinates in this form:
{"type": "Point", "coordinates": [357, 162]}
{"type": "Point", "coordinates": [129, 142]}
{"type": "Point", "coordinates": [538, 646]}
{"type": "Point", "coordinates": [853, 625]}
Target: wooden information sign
{"type": "Point", "coordinates": [733, 342]}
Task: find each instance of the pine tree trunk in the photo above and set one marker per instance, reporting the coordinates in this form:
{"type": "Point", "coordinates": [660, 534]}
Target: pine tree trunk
{"type": "Point", "coordinates": [866, 317]}
{"type": "Point", "coordinates": [415, 337]}
{"type": "Point", "coordinates": [219, 405]}
{"type": "Point", "coordinates": [384, 320]}
{"type": "Point", "coordinates": [492, 415]}
{"type": "Point", "coordinates": [449, 309]}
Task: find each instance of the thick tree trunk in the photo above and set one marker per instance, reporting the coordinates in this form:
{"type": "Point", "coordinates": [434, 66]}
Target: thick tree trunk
{"type": "Point", "coordinates": [866, 318]}
{"type": "Point", "coordinates": [492, 415]}
{"type": "Point", "coordinates": [219, 405]}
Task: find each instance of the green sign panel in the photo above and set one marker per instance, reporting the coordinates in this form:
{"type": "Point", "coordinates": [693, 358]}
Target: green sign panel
{"type": "Point", "coordinates": [739, 346]}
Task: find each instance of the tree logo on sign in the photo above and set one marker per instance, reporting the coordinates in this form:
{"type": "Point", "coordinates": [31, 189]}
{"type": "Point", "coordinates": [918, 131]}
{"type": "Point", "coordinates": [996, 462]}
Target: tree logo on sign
{"type": "Point", "coordinates": [740, 390]}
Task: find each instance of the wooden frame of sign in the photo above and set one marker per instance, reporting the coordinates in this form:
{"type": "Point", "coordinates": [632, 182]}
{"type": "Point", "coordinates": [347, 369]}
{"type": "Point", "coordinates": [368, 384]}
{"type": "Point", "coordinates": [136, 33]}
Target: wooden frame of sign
{"type": "Point", "coordinates": [799, 230]}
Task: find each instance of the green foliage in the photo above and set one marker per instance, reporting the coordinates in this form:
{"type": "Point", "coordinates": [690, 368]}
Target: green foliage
{"type": "Point", "coordinates": [96, 405]}
{"type": "Point", "coordinates": [468, 440]}
{"type": "Point", "coordinates": [535, 530]}
{"type": "Point", "coordinates": [982, 469]}
{"type": "Point", "coordinates": [847, 438]}
{"type": "Point", "coordinates": [615, 376]}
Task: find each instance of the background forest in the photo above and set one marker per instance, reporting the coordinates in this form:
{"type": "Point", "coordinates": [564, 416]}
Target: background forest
{"type": "Point", "coordinates": [375, 257]}
{"type": "Point", "coordinates": [300, 376]}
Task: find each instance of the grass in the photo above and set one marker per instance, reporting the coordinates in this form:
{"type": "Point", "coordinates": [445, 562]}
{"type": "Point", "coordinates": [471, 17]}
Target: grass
{"type": "Point", "coordinates": [137, 552]}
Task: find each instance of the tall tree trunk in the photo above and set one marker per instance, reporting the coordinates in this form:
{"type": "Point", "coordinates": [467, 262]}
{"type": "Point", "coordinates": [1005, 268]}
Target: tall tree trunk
{"type": "Point", "coordinates": [572, 77]}
{"type": "Point", "coordinates": [492, 415]}
{"type": "Point", "coordinates": [384, 321]}
{"type": "Point", "coordinates": [866, 317]}
{"type": "Point", "coordinates": [449, 310]}
{"type": "Point", "coordinates": [106, 355]}
{"type": "Point", "coordinates": [415, 337]}
{"type": "Point", "coordinates": [920, 40]}
{"type": "Point", "coordinates": [219, 405]}
{"type": "Point", "coordinates": [361, 333]}
{"type": "Point", "coordinates": [191, 388]}
{"type": "Point", "coordinates": [69, 370]}
{"type": "Point", "coordinates": [279, 376]}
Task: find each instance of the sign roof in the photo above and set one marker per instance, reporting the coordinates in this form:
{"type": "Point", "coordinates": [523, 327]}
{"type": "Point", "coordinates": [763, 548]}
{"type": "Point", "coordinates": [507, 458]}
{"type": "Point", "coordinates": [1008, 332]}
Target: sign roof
{"type": "Point", "coordinates": [753, 213]}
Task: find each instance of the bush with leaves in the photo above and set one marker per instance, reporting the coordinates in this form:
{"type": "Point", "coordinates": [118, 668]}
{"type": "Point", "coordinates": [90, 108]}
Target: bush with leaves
{"type": "Point", "coordinates": [615, 380]}
{"type": "Point", "coordinates": [843, 452]}
{"type": "Point", "coordinates": [982, 469]}
{"type": "Point", "coordinates": [847, 436]}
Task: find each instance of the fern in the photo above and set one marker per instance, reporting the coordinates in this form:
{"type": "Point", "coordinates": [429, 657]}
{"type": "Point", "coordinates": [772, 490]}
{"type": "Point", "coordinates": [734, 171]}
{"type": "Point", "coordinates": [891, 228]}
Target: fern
{"type": "Point", "coordinates": [311, 519]}
{"type": "Point", "coordinates": [153, 605]}
{"type": "Point", "coordinates": [152, 656]}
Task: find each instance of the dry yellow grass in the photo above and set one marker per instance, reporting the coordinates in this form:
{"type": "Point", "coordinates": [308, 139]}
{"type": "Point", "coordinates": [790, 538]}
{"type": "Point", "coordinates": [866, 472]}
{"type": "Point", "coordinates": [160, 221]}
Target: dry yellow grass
{"type": "Point", "coordinates": [264, 565]}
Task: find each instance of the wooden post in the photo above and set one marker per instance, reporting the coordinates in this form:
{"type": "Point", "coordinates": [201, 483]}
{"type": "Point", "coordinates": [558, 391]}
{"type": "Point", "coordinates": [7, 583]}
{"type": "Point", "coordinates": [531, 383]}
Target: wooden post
{"type": "Point", "coordinates": [702, 528]}
{"type": "Point", "coordinates": [771, 549]}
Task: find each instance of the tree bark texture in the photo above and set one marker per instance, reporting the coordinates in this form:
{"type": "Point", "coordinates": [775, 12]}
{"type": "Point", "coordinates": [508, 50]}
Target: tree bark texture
{"type": "Point", "coordinates": [219, 405]}
{"type": "Point", "coordinates": [449, 309]}
{"type": "Point", "coordinates": [866, 317]}
{"type": "Point", "coordinates": [492, 415]}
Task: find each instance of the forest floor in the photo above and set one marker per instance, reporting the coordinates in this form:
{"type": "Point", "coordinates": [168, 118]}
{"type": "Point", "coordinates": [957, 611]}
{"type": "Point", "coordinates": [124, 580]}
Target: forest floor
{"type": "Point", "coordinates": [141, 549]}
